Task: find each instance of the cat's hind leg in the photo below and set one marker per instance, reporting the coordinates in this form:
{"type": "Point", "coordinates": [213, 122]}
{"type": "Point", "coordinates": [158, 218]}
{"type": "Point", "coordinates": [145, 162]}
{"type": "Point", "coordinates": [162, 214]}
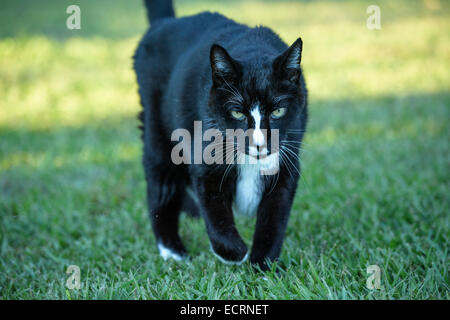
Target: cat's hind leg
{"type": "Point", "coordinates": [165, 181]}
{"type": "Point", "coordinates": [165, 193]}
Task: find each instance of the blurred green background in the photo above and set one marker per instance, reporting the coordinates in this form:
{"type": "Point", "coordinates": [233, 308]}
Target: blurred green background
{"type": "Point", "coordinates": [375, 183]}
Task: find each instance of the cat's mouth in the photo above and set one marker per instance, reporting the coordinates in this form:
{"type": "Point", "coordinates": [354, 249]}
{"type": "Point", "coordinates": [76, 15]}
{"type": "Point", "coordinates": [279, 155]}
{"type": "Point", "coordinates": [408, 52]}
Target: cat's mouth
{"type": "Point", "coordinates": [258, 152]}
{"type": "Point", "coordinates": [268, 164]}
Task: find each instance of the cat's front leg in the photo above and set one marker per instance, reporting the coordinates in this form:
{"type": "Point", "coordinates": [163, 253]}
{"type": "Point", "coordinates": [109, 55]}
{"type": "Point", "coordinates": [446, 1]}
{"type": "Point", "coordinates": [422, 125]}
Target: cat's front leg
{"type": "Point", "coordinates": [216, 209]}
{"type": "Point", "coordinates": [271, 222]}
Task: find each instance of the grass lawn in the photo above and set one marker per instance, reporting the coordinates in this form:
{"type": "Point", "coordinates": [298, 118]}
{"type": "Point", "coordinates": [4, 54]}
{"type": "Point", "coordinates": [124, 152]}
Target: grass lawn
{"type": "Point", "coordinates": [375, 182]}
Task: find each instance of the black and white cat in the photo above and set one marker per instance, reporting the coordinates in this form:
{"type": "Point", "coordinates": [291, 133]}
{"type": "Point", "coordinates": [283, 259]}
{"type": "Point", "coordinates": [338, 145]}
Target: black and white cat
{"type": "Point", "coordinates": [229, 76]}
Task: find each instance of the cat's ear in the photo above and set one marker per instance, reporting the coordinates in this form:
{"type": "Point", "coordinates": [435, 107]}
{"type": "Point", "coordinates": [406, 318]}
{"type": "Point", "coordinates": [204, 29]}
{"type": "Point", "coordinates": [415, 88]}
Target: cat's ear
{"type": "Point", "coordinates": [224, 68]}
{"type": "Point", "coordinates": [287, 65]}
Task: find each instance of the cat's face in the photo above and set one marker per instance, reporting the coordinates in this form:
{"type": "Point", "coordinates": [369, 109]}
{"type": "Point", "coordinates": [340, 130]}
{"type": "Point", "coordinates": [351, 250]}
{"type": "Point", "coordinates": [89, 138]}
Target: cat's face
{"type": "Point", "coordinates": [262, 95]}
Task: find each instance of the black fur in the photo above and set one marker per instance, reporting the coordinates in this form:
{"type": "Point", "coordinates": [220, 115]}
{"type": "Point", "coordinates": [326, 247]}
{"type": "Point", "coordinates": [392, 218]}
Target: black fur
{"type": "Point", "coordinates": [157, 9]}
{"type": "Point", "coordinates": [186, 68]}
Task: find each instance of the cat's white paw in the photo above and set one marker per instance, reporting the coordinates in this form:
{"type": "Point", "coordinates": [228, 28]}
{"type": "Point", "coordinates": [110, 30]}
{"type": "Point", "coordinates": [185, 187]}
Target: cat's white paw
{"type": "Point", "coordinates": [227, 261]}
{"type": "Point", "coordinates": [167, 253]}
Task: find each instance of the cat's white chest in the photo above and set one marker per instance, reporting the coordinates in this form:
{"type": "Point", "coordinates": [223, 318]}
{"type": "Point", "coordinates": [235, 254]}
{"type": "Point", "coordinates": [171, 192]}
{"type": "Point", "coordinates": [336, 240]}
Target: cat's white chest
{"type": "Point", "coordinates": [248, 190]}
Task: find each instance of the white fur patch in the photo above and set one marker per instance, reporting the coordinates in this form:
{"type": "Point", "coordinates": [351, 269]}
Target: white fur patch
{"type": "Point", "coordinates": [258, 136]}
{"type": "Point", "coordinates": [248, 190]}
{"type": "Point", "coordinates": [226, 261]}
{"type": "Point", "coordinates": [166, 253]}
{"type": "Point", "coordinates": [249, 185]}
{"type": "Point", "coordinates": [269, 165]}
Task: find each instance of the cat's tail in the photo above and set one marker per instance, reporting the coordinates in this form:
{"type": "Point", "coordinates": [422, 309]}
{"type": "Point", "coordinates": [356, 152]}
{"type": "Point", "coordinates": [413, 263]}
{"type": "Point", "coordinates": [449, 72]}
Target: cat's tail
{"type": "Point", "coordinates": [157, 9]}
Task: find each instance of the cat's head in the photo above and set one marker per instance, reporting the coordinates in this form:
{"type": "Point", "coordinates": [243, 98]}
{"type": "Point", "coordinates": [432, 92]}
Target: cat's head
{"type": "Point", "coordinates": [260, 94]}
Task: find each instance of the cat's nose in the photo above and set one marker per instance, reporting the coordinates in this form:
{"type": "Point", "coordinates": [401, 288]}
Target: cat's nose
{"type": "Point", "coordinates": [258, 138]}
{"type": "Point", "coordinates": [258, 145]}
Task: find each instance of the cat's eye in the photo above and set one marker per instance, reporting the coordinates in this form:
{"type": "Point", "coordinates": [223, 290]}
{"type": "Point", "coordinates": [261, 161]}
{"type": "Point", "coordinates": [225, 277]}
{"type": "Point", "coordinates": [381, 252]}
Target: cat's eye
{"type": "Point", "coordinates": [237, 115]}
{"type": "Point", "coordinates": [278, 113]}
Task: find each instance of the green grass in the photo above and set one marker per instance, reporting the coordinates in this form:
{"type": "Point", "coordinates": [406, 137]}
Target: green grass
{"type": "Point", "coordinates": [375, 184]}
